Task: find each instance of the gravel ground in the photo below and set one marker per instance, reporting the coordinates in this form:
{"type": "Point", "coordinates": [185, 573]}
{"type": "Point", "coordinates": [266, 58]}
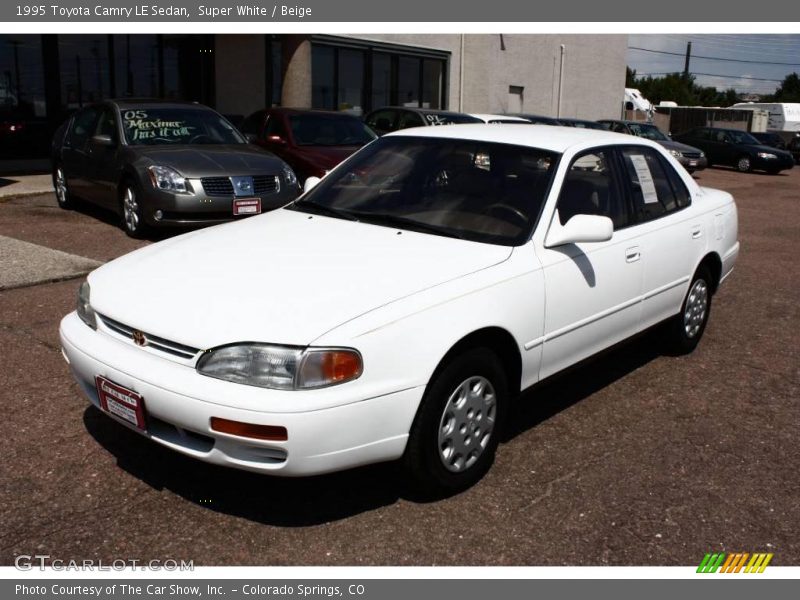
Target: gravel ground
{"type": "Point", "coordinates": [634, 459]}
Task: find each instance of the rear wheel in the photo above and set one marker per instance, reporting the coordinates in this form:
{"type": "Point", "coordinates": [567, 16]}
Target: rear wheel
{"type": "Point", "coordinates": [457, 428]}
{"type": "Point", "coordinates": [687, 327]}
{"type": "Point", "coordinates": [63, 196]}
{"type": "Point", "coordinates": [744, 165]}
{"type": "Point", "coordinates": [132, 220]}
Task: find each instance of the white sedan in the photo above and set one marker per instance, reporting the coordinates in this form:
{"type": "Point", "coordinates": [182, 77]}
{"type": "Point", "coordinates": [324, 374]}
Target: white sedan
{"type": "Point", "coordinates": [395, 309]}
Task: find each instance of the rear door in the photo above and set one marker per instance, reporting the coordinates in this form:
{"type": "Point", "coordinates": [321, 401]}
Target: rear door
{"type": "Point", "coordinates": [74, 152]}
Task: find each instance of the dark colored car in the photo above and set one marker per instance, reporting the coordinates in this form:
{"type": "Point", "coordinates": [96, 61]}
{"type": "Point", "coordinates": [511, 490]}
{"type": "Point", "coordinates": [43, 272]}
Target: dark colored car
{"type": "Point", "coordinates": [736, 148]}
{"type": "Point", "coordinates": [582, 123]}
{"type": "Point", "coordinates": [165, 163]}
{"type": "Point", "coordinates": [538, 119]}
{"type": "Point", "coordinates": [794, 147]}
{"type": "Point", "coordinates": [693, 159]}
{"type": "Point", "coordinates": [770, 139]}
{"type": "Point", "coordinates": [311, 141]}
{"type": "Point", "coordinates": [394, 118]}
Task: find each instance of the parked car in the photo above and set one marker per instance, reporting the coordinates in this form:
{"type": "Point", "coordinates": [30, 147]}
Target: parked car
{"type": "Point", "coordinates": [311, 141]}
{"type": "Point", "coordinates": [735, 148]}
{"type": "Point", "coordinates": [769, 138]}
{"type": "Point", "coordinates": [692, 159]}
{"type": "Point", "coordinates": [794, 148]}
{"type": "Point", "coordinates": [538, 119]}
{"type": "Point", "coordinates": [165, 163]}
{"type": "Point", "coordinates": [486, 118]}
{"type": "Point", "coordinates": [581, 123]}
{"type": "Point", "coordinates": [394, 118]}
{"type": "Point", "coordinates": [404, 302]}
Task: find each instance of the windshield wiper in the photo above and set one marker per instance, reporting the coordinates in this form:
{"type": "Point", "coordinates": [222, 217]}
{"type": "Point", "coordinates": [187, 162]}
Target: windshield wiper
{"type": "Point", "coordinates": [404, 223]}
{"type": "Point", "coordinates": [322, 209]}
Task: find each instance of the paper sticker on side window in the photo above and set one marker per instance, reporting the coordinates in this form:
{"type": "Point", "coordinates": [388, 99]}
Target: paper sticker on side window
{"type": "Point", "coordinates": [645, 178]}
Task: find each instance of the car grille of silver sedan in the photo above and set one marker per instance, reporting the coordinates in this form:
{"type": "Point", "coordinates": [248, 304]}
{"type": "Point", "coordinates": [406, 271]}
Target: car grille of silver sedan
{"type": "Point", "coordinates": [151, 341]}
{"type": "Point", "coordinates": [691, 154]}
{"type": "Point", "coordinates": [223, 186]}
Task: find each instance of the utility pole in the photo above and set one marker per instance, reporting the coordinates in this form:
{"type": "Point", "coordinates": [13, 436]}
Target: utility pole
{"type": "Point", "coordinates": [686, 64]}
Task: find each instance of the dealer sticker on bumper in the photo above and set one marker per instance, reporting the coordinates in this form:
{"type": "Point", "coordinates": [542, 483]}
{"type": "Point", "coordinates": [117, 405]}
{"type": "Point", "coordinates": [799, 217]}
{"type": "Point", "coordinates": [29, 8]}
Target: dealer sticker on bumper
{"type": "Point", "coordinates": [120, 402]}
{"type": "Point", "coordinates": [246, 206]}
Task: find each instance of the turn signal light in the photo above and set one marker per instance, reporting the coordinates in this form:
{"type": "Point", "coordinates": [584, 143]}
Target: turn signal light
{"type": "Point", "coordinates": [272, 433]}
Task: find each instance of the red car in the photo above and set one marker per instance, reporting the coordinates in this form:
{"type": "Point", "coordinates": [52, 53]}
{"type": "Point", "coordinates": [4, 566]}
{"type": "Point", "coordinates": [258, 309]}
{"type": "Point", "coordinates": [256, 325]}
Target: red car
{"type": "Point", "coordinates": [312, 142]}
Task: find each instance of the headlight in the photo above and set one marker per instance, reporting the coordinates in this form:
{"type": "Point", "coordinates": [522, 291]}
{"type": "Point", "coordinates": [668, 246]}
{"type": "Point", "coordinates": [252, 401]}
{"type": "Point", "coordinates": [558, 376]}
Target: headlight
{"type": "Point", "coordinates": [766, 155]}
{"type": "Point", "coordinates": [289, 177]}
{"type": "Point", "coordinates": [702, 154]}
{"type": "Point", "coordinates": [168, 179]}
{"type": "Point", "coordinates": [676, 153]}
{"type": "Point", "coordinates": [84, 309]}
{"type": "Point", "coordinates": [281, 367]}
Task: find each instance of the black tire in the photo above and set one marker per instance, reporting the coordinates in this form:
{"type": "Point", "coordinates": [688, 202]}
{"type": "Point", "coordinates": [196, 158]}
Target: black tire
{"type": "Point", "coordinates": [63, 195]}
{"type": "Point", "coordinates": [132, 221]}
{"type": "Point", "coordinates": [426, 453]}
{"type": "Point", "coordinates": [686, 328]}
{"type": "Point", "coordinates": [744, 164]}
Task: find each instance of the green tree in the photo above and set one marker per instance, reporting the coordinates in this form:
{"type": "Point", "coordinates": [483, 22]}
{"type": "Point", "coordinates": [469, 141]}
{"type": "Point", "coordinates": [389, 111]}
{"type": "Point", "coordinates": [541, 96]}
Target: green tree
{"type": "Point", "coordinates": [789, 90]}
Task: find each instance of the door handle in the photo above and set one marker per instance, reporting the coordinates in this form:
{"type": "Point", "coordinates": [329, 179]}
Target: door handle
{"type": "Point", "coordinates": [697, 232]}
{"type": "Point", "coordinates": [632, 254]}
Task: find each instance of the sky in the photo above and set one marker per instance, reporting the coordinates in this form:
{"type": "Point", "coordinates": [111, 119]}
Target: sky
{"type": "Point", "coordinates": [757, 50]}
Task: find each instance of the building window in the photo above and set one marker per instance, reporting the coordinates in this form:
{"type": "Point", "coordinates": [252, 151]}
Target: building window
{"type": "Point", "coordinates": [84, 68]}
{"type": "Point", "coordinates": [360, 76]}
{"type": "Point", "coordinates": [136, 65]}
{"type": "Point", "coordinates": [275, 71]}
{"type": "Point", "coordinates": [22, 75]}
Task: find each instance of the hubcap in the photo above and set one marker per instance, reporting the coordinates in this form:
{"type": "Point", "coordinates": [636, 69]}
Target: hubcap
{"type": "Point", "coordinates": [696, 307]}
{"type": "Point", "coordinates": [744, 164]}
{"type": "Point", "coordinates": [61, 187]}
{"type": "Point", "coordinates": [131, 210]}
{"type": "Point", "coordinates": [467, 423]}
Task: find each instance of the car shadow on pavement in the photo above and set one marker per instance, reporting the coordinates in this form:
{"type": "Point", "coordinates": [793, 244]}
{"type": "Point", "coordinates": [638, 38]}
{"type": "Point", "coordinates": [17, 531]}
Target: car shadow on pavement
{"type": "Point", "coordinates": [299, 502]}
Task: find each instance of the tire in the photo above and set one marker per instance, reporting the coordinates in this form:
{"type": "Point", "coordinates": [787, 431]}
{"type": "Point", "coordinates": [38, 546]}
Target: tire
{"type": "Point", "coordinates": [454, 436]}
{"type": "Point", "coordinates": [687, 327]}
{"type": "Point", "coordinates": [744, 164]}
{"type": "Point", "coordinates": [63, 196]}
{"type": "Point", "coordinates": [132, 221]}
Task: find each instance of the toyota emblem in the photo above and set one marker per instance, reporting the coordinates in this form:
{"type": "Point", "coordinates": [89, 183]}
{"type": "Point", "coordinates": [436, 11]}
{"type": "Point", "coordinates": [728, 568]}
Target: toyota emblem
{"type": "Point", "coordinates": [138, 338]}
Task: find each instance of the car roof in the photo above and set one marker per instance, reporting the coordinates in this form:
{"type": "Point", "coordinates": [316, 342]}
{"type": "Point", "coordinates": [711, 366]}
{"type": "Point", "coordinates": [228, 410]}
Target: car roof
{"type": "Point", "coordinates": [130, 103]}
{"type": "Point", "coordinates": [491, 117]}
{"type": "Point", "coordinates": [309, 111]}
{"type": "Point", "coordinates": [546, 137]}
{"type": "Point", "coordinates": [424, 111]}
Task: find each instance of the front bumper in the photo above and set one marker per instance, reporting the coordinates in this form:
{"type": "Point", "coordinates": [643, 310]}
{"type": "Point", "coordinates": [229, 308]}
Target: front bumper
{"type": "Point", "coordinates": [362, 431]}
{"type": "Point", "coordinates": [782, 163]}
{"type": "Point", "coordinates": [693, 164]}
{"type": "Point", "coordinates": [199, 208]}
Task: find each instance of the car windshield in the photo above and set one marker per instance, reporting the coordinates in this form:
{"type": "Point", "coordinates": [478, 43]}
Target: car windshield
{"type": "Point", "coordinates": [741, 137]}
{"type": "Point", "coordinates": [449, 118]}
{"type": "Point", "coordinates": [651, 132]}
{"type": "Point", "coordinates": [172, 126]}
{"type": "Point", "coordinates": [329, 130]}
{"type": "Point", "coordinates": [479, 191]}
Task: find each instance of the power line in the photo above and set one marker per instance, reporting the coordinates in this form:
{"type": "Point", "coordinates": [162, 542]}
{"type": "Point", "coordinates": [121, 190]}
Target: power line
{"type": "Point", "coordinates": [715, 75]}
{"type": "Point", "coordinates": [736, 60]}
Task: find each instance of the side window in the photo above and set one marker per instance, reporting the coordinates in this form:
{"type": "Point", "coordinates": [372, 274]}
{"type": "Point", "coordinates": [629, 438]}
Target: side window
{"type": "Point", "coordinates": [619, 128]}
{"type": "Point", "coordinates": [382, 121]}
{"type": "Point", "coordinates": [107, 125]}
{"type": "Point", "coordinates": [253, 124]}
{"type": "Point", "coordinates": [409, 119]}
{"type": "Point", "coordinates": [682, 196]}
{"type": "Point", "coordinates": [83, 126]}
{"type": "Point", "coordinates": [589, 189]}
{"type": "Point", "coordinates": [651, 190]}
{"type": "Point", "coordinates": [275, 127]}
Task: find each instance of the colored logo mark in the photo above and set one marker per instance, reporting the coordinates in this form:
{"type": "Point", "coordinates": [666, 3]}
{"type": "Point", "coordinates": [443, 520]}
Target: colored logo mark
{"type": "Point", "coordinates": [735, 562]}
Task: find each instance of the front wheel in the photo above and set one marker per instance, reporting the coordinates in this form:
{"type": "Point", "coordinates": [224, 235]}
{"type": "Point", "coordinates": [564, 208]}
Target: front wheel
{"type": "Point", "coordinates": [63, 196]}
{"type": "Point", "coordinates": [687, 327]}
{"type": "Point", "coordinates": [457, 428]}
{"type": "Point", "coordinates": [744, 165]}
{"type": "Point", "coordinates": [132, 220]}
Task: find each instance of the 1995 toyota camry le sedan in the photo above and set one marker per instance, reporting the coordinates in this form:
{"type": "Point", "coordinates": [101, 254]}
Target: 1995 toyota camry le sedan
{"type": "Point", "coordinates": [395, 309]}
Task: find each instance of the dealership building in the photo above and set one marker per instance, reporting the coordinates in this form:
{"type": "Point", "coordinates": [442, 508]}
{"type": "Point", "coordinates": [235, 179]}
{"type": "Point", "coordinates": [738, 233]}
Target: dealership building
{"type": "Point", "coordinates": [45, 77]}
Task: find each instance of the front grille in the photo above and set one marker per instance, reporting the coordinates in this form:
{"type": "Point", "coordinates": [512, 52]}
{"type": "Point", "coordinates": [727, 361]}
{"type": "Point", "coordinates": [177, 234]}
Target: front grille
{"type": "Point", "coordinates": [266, 184]}
{"type": "Point", "coordinates": [691, 154]}
{"type": "Point", "coordinates": [152, 341]}
{"type": "Point", "coordinates": [217, 186]}
{"type": "Point", "coordinates": [222, 186]}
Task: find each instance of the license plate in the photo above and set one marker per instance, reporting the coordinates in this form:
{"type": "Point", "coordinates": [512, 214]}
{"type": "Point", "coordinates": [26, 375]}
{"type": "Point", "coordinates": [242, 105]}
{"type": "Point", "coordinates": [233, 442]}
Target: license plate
{"type": "Point", "coordinates": [121, 402]}
{"type": "Point", "coordinates": [692, 163]}
{"type": "Point", "coordinates": [247, 206]}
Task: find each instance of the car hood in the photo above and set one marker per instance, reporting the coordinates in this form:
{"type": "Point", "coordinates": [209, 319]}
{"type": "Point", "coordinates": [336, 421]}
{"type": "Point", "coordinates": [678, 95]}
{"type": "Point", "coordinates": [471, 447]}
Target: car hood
{"type": "Point", "coordinates": [764, 148]}
{"type": "Point", "coordinates": [325, 157]}
{"type": "Point", "coordinates": [284, 277]}
{"type": "Point", "coordinates": [211, 160]}
{"type": "Point", "coordinates": [673, 145]}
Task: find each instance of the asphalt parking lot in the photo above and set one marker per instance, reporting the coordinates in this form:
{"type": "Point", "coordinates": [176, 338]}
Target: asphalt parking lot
{"type": "Point", "coordinates": [635, 459]}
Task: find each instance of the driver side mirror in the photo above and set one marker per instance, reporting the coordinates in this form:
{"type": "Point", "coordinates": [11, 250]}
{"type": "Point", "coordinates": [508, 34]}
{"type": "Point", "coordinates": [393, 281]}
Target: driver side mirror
{"type": "Point", "coordinates": [310, 183]}
{"type": "Point", "coordinates": [276, 139]}
{"type": "Point", "coordinates": [103, 140]}
{"type": "Point", "coordinates": [579, 229]}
